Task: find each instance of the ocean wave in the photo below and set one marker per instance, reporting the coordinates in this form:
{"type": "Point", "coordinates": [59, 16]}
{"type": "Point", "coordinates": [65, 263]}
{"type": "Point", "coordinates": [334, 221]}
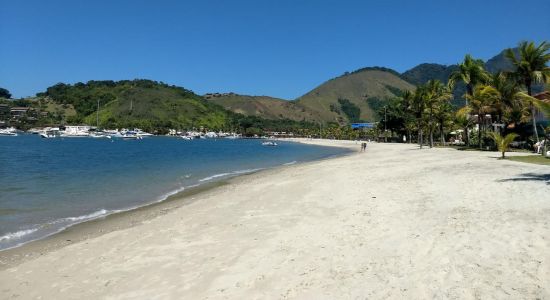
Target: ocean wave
{"type": "Point", "coordinates": [238, 172]}
{"type": "Point", "coordinates": [17, 234]}
{"type": "Point", "coordinates": [93, 215]}
{"type": "Point", "coordinates": [289, 163]}
{"type": "Point", "coordinates": [214, 176]}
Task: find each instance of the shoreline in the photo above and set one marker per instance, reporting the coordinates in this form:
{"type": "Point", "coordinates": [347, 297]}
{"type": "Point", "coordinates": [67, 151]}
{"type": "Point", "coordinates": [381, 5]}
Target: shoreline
{"type": "Point", "coordinates": [89, 229]}
{"type": "Point", "coordinates": [394, 222]}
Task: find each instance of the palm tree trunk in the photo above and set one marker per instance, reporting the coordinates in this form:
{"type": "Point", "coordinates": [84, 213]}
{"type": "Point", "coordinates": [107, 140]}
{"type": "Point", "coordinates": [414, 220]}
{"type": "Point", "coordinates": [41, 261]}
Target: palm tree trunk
{"type": "Point", "coordinates": [467, 135]}
{"type": "Point", "coordinates": [479, 124]}
{"type": "Point", "coordinates": [535, 132]}
{"type": "Point", "coordinates": [442, 133]}
{"type": "Point", "coordinates": [420, 136]}
{"type": "Point", "coordinates": [431, 137]}
{"type": "Point", "coordinates": [533, 111]}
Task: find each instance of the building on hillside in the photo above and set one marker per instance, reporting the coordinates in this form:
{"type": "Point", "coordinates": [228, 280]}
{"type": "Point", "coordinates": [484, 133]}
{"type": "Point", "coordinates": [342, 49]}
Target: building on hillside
{"type": "Point", "coordinates": [4, 115]}
{"type": "Point", "coordinates": [545, 97]}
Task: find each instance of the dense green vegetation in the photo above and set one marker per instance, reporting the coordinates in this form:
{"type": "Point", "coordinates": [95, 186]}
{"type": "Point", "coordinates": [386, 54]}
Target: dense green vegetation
{"type": "Point", "coordinates": [350, 110]}
{"type": "Point", "coordinates": [4, 93]}
{"type": "Point", "coordinates": [502, 98]}
{"type": "Point", "coordinates": [150, 105]}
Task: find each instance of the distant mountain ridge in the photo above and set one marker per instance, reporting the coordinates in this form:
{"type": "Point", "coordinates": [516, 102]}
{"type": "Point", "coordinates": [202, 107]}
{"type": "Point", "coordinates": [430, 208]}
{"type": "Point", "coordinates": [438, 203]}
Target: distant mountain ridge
{"type": "Point", "coordinates": [263, 106]}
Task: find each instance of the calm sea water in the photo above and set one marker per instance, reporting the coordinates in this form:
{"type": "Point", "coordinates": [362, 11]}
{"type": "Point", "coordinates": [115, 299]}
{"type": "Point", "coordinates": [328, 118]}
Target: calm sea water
{"type": "Point", "coordinates": [47, 185]}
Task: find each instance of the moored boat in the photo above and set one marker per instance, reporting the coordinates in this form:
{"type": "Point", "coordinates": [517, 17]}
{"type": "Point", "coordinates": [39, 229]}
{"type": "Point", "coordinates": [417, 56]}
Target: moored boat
{"type": "Point", "coordinates": [8, 132]}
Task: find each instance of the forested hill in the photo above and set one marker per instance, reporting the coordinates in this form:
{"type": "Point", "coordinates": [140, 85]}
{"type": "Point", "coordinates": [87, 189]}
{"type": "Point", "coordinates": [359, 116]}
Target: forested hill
{"type": "Point", "coordinates": [141, 103]}
{"type": "Point", "coordinates": [355, 96]}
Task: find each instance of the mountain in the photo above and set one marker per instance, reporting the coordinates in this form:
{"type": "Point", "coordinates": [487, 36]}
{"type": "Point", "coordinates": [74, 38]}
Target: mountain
{"type": "Point", "coordinates": [354, 96]}
{"type": "Point", "coordinates": [427, 71]}
{"type": "Point", "coordinates": [424, 72]}
{"type": "Point", "coordinates": [140, 103]}
{"type": "Point", "coordinates": [500, 62]}
{"type": "Point", "coordinates": [263, 106]}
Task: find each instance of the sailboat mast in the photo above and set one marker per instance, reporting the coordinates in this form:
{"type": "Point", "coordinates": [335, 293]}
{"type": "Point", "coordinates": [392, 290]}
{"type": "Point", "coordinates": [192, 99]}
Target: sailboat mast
{"type": "Point", "coordinates": [97, 115]}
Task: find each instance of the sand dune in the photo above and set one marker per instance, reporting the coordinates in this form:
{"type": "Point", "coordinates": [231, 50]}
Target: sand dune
{"type": "Point", "coordinates": [394, 222]}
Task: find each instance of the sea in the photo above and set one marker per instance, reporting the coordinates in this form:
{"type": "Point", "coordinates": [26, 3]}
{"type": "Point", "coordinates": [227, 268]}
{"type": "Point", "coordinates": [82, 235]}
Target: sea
{"type": "Point", "coordinates": [47, 185]}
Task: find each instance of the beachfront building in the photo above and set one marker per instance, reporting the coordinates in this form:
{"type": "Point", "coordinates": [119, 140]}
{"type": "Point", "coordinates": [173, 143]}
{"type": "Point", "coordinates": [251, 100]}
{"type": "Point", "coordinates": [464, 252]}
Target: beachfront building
{"type": "Point", "coordinates": [544, 97]}
{"type": "Point", "coordinates": [4, 114]}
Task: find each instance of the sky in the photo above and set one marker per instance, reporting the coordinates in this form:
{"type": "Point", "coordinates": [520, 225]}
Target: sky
{"type": "Point", "coordinates": [280, 48]}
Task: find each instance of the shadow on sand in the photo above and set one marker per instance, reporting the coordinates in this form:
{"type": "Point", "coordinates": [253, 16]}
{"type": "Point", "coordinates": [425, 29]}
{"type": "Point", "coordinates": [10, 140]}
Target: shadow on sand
{"type": "Point", "coordinates": [530, 177]}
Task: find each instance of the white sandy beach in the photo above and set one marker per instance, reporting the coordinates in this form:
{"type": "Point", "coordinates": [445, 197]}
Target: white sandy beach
{"type": "Point", "coordinates": [392, 223]}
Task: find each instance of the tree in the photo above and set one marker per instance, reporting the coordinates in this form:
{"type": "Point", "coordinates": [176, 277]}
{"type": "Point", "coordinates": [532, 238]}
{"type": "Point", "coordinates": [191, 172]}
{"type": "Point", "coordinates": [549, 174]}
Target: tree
{"type": "Point", "coordinates": [503, 143]}
{"type": "Point", "coordinates": [417, 107]}
{"type": "Point", "coordinates": [5, 93]}
{"type": "Point", "coordinates": [435, 95]}
{"type": "Point", "coordinates": [481, 103]}
{"type": "Point", "coordinates": [530, 68]}
{"type": "Point", "coordinates": [471, 71]}
{"type": "Point", "coordinates": [463, 120]}
{"type": "Point", "coordinates": [508, 90]}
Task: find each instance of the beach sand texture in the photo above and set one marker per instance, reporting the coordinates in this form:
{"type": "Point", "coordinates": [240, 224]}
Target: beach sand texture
{"type": "Point", "coordinates": [392, 223]}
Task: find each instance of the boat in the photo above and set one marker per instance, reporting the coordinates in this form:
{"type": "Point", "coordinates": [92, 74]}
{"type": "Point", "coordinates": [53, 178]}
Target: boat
{"type": "Point", "coordinates": [50, 132]}
{"type": "Point", "coordinates": [233, 136]}
{"type": "Point", "coordinates": [76, 131]}
{"type": "Point", "coordinates": [10, 131]}
{"type": "Point", "coordinates": [99, 135]}
{"type": "Point", "coordinates": [269, 143]}
{"type": "Point", "coordinates": [186, 137]}
{"type": "Point", "coordinates": [142, 133]}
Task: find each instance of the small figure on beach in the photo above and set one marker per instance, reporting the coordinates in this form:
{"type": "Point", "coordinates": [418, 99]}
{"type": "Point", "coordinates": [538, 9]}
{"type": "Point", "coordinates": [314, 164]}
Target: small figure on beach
{"type": "Point", "coordinates": [363, 147]}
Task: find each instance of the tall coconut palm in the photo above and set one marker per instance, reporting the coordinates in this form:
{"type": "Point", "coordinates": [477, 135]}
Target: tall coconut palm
{"type": "Point", "coordinates": [503, 143]}
{"type": "Point", "coordinates": [531, 68]}
{"type": "Point", "coordinates": [435, 96]}
{"type": "Point", "coordinates": [462, 119]}
{"type": "Point", "coordinates": [508, 90]}
{"type": "Point", "coordinates": [417, 105]}
{"type": "Point", "coordinates": [481, 103]}
{"type": "Point", "coordinates": [471, 72]}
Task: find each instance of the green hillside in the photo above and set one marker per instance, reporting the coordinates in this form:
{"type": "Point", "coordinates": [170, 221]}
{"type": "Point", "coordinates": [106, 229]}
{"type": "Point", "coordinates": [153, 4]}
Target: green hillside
{"type": "Point", "coordinates": [141, 103]}
{"type": "Point", "coordinates": [263, 106]}
{"type": "Point", "coordinates": [361, 92]}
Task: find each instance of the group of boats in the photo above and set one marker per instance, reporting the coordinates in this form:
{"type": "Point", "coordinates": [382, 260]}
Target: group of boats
{"type": "Point", "coordinates": [127, 134]}
{"type": "Point", "coordinates": [191, 135]}
{"type": "Point", "coordinates": [89, 132]}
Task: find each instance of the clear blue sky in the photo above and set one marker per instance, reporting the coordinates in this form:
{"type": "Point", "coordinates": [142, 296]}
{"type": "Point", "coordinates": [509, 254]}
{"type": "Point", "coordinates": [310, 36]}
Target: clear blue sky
{"type": "Point", "coordinates": [281, 48]}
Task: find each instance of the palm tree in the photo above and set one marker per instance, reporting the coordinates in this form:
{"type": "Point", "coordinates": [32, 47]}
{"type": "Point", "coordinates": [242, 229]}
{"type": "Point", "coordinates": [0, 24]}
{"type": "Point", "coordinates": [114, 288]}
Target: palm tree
{"type": "Point", "coordinates": [471, 71]}
{"type": "Point", "coordinates": [443, 117]}
{"type": "Point", "coordinates": [435, 96]}
{"type": "Point", "coordinates": [503, 143]}
{"type": "Point", "coordinates": [530, 68]}
{"type": "Point", "coordinates": [481, 103]}
{"type": "Point", "coordinates": [417, 105]}
{"type": "Point", "coordinates": [508, 90]}
{"type": "Point", "coordinates": [463, 120]}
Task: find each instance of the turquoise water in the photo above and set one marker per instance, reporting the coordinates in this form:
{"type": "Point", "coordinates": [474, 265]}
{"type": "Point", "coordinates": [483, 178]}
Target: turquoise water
{"type": "Point", "coordinates": [47, 185]}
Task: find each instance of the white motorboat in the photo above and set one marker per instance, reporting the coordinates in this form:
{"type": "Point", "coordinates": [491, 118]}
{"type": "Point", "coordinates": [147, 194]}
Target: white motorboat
{"type": "Point", "coordinates": [142, 133]}
{"type": "Point", "coordinates": [269, 143]}
{"type": "Point", "coordinates": [50, 132]}
{"type": "Point", "coordinates": [233, 136]}
{"type": "Point", "coordinates": [186, 137]}
{"type": "Point", "coordinates": [8, 132]}
{"type": "Point", "coordinates": [76, 131]}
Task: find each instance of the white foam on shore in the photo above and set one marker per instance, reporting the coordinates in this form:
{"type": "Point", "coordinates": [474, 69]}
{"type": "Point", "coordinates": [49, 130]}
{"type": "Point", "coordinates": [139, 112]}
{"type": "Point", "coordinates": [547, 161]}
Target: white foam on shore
{"type": "Point", "coordinates": [238, 172]}
{"type": "Point", "coordinates": [289, 163]}
{"type": "Point", "coordinates": [91, 216]}
{"type": "Point", "coordinates": [17, 234]}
